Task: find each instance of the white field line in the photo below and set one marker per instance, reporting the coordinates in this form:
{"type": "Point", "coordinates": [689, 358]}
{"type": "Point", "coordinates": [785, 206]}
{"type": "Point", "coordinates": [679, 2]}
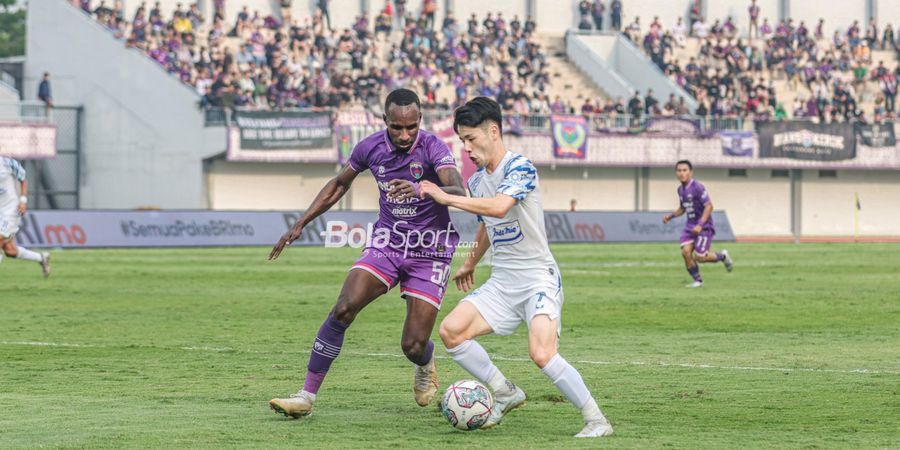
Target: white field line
{"type": "Point", "coordinates": [495, 357]}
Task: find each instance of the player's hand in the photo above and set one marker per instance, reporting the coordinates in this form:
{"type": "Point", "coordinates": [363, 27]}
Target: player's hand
{"type": "Point", "coordinates": [21, 209]}
{"type": "Point", "coordinates": [286, 239]}
{"type": "Point", "coordinates": [402, 190]}
{"type": "Point", "coordinates": [697, 229]}
{"type": "Point", "coordinates": [465, 278]}
{"type": "Point", "coordinates": [667, 218]}
{"type": "Point", "coordinates": [434, 191]}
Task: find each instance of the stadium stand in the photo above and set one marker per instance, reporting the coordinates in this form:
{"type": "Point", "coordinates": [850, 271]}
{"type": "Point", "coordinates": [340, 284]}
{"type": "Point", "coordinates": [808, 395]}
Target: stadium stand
{"type": "Point", "coordinates": [263, 62]}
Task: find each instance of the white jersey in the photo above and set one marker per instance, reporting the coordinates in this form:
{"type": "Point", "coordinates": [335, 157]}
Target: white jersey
{"type": "Point", "coordinates": [11, 174]}
{"type": "Point", "coordinates": [525, 280]}
{"type": "Point", "coordinates": [519, 240]}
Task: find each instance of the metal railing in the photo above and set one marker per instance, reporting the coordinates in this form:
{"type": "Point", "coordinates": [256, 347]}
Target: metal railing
{"type": "Point", "coordinates": [26, 112]}
{"type": "Point", "coordinates": [537, 123]}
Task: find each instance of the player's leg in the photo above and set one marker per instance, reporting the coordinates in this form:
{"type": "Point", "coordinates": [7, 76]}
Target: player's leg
{"type": "Point", "coordinates": [12, 250]}
{"type": "Point", "coordinates": [360, 288]}
{"type": "Point", "coordinates": [418, 348]}
{"type": "Point", "coordinates": [687, 252]}
{"type": "Point", "coordinates": [423, 282]}
{"type": "Point", "coordinates": [543, 340]}
{"type": "Point", "coordinates": [458, 332]}
{"type": "Point", "coordinates": [702, 253]}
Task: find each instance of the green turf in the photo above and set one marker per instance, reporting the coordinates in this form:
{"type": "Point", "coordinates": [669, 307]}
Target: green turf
{"type": "Point", "coordinates": [799, 347]}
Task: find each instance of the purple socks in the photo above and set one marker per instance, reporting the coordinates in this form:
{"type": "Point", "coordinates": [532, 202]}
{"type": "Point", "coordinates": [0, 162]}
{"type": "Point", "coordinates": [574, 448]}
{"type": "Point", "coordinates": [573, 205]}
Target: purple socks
{"type": "Point", "coordinates": [720, 257]}
{"type": "Point", "coordinates": [695, 272]}
{"type": "Point", "coordinates": [324, 351]}
{"type": "Point", "coordinates": [426, 355]}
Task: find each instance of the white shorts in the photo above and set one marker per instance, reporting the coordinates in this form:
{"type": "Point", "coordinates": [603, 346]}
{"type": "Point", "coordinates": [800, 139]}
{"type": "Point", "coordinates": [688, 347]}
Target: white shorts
{"type": "Point", "coordinates": [9, 225]}
{"type": "Point", "coordinates": [505, 301]}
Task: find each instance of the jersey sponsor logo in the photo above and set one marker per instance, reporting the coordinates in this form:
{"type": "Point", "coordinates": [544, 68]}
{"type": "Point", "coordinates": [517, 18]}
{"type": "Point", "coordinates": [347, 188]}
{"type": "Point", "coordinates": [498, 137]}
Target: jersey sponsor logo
{"type": "Point", "coordinates": [416, 170]}
{"type": "Point", "coordinates": [380, 171]}
{"type": "Point", "coordinates": [405, 211]}
{"type": "Point", "coordinates": [507, 233]}
{"type": "Point", "coordinates": [447, 160]}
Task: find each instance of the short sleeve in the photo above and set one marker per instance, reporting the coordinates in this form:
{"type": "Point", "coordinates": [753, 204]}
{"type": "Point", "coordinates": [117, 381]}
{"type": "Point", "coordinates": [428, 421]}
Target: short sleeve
{"type": "Point", "coordinates": [17, 170]}
{"type": "Point", "coordinates": [358, 159]}
{"type": "Point", "coordinates": [519, 180]}
{"type": "Point", "coordinates": [703, 194]}
{"type": "Point", "coordinates": [440, 155]}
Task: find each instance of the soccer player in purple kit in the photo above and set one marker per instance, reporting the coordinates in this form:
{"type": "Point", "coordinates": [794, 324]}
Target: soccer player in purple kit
{"type": "Point", "coordinates": [696, 239]}
{"type": "Point", "coordinates": [399, 157]}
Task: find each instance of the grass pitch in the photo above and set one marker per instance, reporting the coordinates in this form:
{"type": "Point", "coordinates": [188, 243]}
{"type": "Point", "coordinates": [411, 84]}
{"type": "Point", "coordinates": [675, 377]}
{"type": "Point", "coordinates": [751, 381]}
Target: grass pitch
{"type": "Point", "coordinates": [799, 347]}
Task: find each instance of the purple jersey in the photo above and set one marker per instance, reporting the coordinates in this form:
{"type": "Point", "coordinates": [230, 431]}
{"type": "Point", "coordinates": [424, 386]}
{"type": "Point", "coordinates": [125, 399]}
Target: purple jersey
{"type": "Point", "coordinates": [427, 155]}
{"type": "Point", "coordinates": [694, 198]}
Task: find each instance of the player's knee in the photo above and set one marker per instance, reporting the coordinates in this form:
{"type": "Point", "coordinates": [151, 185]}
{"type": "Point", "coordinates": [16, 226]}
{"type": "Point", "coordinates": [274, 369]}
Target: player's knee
{"type": "Point", "coordinates": [343, 312]}
{"type": "Point", "coordinates": [451, 335]}
{"type": "Point", "coordinates": [413, 349]}
{"type": "Point", "coordinates": [686, 252]}
{"type": "Point", "coordinates": [541, 356]}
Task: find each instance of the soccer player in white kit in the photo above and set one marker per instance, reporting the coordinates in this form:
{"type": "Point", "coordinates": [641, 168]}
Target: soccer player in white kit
{"type": "Point", "coordinates": [525, 284]}
{"type": "Point", "coordinates": [12, 206]}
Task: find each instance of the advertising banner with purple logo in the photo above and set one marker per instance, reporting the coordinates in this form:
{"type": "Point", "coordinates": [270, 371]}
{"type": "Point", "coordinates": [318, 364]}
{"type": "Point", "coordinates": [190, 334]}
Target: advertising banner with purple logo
{"type": "Point", "coordinates": [105, 229]}
{"type": "Point", "coordinates": [570, 136]}
{"type": "Point", "coordinates": [806, 140]}
{"type": "Point", "coordinates": [737, 143]}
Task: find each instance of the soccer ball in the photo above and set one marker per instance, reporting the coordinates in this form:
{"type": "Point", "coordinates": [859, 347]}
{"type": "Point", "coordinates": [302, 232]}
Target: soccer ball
{"type": "Point", "coordinates": [467, 404]}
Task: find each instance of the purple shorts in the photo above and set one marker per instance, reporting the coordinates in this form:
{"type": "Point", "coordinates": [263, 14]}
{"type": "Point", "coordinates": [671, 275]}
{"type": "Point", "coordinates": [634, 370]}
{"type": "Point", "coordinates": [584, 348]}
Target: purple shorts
{"type": "Point", "coordinates": [421, 276]}
{"type": "Point", "coordinates": [702, 242]}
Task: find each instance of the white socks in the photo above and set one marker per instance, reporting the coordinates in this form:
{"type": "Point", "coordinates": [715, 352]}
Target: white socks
{"type": "Point", "coordinates": [28, 255]}
{"type": "Point", "coordinates": [472, 357]}
{"type": "Point", "coordinates": [569, 382]}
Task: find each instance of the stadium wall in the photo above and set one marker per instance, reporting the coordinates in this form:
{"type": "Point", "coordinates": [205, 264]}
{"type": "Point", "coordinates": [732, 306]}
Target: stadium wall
{"type": "Point", "coordinates": [758, 201]}
{"type": "Point", "coordinates": [143, 136]}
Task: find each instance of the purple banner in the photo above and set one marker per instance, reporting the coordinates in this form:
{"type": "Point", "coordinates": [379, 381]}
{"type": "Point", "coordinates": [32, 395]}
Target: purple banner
{"type": "Point", "coordinates": [569, 136]}
{"type": "Point", "coordinates": [737, 143]}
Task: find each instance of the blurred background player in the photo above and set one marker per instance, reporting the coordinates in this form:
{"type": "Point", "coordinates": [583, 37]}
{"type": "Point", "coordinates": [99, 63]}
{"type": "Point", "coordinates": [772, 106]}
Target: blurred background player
{"type": "Point", "coordinates": [696, 239]}
{"type": "Point", "coordinates": [13, 203]}
{"type": "Point", "coordinates": [399, 157]}
{"type": "Point", "coordinates": [525, 283]}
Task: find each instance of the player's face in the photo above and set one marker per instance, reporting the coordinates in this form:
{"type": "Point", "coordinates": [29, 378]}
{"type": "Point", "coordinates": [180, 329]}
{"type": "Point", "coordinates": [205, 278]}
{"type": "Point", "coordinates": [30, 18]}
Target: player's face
{"type": "Point", "coordinates": [683, 173]}
{"type": "Point", "coordinates": [477, 143]}
{"type": "Point", "coordinates": [403, 125]}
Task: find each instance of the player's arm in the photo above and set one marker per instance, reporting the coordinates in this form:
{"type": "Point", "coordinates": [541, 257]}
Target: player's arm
{"type": "Point", "coordinates": [465, 276]}
{"type": "Point", "coordinates": [496, 206]}
{"type": "Point", "coordinates": [23, 197]}
{"type": "Point", "coordinates": [677, 213]}
{"type": "Point", "coordinates": [451, 181]}
{"type": "Point", "coordinates": [327, 197]}
{"type": "Point", "coordinates": [707, 212]}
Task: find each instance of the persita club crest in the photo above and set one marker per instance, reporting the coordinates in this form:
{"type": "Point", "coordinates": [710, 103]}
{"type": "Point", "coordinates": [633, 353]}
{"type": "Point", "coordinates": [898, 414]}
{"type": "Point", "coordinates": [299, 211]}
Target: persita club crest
{"type": "Point", "coordinates": [416, 170]}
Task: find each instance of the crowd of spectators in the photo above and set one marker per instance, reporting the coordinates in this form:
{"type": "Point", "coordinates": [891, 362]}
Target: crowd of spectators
{"type": "Point", "coordinates": [275, 61]}
{"type": "Point", "coordinates": [834, 78]}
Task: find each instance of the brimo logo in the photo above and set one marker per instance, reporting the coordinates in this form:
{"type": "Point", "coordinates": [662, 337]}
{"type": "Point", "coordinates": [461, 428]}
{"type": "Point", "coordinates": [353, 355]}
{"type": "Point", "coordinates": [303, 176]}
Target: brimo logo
{"type": "Point", "coordinates": [338, 234]}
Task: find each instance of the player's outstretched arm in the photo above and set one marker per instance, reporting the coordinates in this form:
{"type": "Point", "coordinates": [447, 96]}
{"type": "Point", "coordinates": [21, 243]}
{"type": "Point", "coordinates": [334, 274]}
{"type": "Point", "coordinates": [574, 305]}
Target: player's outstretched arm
{"type": "Point", "coordinates": [451, 181]}
{"type": "Point", "coordinates": [465, 276]}
{"type": "Point", "coordinates": [496, 206]}
{"type": "Point", "coordinates": [327, 197]}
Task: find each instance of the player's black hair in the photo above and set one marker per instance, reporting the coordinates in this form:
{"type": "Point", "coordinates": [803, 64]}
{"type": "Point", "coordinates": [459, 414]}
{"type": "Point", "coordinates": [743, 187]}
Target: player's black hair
{"type": "Point", "coordinates": [686, 162]}
{"type": "Point", "coordinates": [476, 111]}
{"type": "Point", "coordinates": [401, 97]}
